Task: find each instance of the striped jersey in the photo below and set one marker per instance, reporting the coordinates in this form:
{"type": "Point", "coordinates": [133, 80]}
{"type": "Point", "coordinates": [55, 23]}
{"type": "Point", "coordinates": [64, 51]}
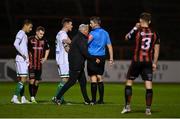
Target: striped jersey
{"type": "Point", "coordinates": [145, 40]}
{"type": "Point", "coordinates": [36, 49]}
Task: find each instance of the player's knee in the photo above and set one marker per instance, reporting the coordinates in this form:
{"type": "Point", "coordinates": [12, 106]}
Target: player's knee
{"type": "Point", "coordinates": [36, 83]}
{"type": "Point", "coordinates": [32, 81]}
{"type": "Point", "coordinates": [148, 84]}
{"type": "Point", "coordinates": [93, 78]}
{"type": "Point", "coordinates": [23, 79]}
{"type": "Point", "coordinates": [129, 82]}
{"type": "Point", "coordinates": [99, 78]}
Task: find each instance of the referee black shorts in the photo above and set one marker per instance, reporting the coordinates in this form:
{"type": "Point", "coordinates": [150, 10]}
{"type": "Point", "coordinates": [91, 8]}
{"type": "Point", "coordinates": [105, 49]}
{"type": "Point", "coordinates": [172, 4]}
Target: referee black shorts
{"type": "Point", "coordinates": [94, 68]}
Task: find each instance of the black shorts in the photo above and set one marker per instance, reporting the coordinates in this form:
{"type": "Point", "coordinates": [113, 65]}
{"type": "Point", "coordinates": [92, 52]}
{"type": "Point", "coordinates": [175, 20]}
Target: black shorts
{"type": "Point", "coordinates": [140, 68]}
{"type": "Point", "coordinates": [35, 74]}
{"type": "Point", "coordinates": [96, 69]}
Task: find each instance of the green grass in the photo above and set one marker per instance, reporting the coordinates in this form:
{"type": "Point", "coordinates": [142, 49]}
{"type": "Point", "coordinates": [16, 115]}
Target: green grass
{"type": "Point", "coordinates": [166, 102]}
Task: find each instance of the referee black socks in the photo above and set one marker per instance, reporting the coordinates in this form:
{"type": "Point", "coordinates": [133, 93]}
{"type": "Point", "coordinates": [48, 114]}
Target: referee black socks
{"type": "Point", "coordinates": [101, 91]}
{"type": "Point", "coordinates": [93, 91]}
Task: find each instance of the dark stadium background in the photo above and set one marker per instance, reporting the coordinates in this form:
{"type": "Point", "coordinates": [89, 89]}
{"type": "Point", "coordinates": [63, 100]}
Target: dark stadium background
{"type": "Point", "coordinates": [118, 17]}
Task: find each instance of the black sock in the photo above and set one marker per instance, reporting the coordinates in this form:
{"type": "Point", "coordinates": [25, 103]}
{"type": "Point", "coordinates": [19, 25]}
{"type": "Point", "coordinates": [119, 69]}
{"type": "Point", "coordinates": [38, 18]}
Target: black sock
{"type": "Point", "coordinates": [35, 89]}
{"type": "Point", "coordinates": [128, 94]}
{"type": "Point", "coordinates": [93, 91]}
{"type": "Point", "coordinates": [149, 96]}
{"type": "Point", "coordinates": [22, 91]}
{"type": "Point", "coordinates": [101, 91]}
{"type": "Point", "coordinates": [31, 90]}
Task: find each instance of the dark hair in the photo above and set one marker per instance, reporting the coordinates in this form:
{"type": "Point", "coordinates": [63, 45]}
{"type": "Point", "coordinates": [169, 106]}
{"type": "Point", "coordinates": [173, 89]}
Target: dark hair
{"type": "Point", "coordinates": [40, 28]}
{"type": "Point", "coordinates": [96, 19]}
{"type": "Point", "coordinates": [66, 20]}
{"type": "Point", "coordinates": [145, 16]}
{"type": "Point", "coordinates": [27, 22]}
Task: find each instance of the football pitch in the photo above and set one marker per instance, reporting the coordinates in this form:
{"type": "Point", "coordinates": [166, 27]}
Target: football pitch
{"type": "Point", "coordinates": [166, 102]}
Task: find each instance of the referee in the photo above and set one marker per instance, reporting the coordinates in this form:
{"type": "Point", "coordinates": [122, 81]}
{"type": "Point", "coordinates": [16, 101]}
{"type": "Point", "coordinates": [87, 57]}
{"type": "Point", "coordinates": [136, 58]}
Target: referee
{"type": "Point", "coordinates": [98, 41]}
{"type": "Point", "coordinates": [77, 55]}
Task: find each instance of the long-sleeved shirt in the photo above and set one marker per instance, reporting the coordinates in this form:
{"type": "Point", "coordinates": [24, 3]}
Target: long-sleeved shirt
{"type": "Point", "coordinates": [78, 52]}
{"type": "Point", "coordinates": [20, 44]}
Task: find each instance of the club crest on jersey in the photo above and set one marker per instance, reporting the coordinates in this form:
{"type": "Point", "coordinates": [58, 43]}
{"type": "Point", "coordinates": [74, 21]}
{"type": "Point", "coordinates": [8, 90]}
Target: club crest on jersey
{"type": "Point", "coordinates": [146, 34]}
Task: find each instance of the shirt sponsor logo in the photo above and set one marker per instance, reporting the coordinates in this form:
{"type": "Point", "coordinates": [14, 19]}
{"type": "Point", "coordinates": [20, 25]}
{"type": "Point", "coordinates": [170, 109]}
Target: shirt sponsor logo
{"type": "Point", "coordinates": [146, 34]}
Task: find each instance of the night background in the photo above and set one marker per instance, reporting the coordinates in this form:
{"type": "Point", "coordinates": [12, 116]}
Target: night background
{"type": "Point", "coordinates": [118, 17]}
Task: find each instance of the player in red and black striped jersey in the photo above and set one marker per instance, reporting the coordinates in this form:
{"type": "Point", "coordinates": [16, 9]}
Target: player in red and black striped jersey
{"type": "Point", "coordinates": [38, 49]}
{"type": "Point", "coordinates": [144, 61]}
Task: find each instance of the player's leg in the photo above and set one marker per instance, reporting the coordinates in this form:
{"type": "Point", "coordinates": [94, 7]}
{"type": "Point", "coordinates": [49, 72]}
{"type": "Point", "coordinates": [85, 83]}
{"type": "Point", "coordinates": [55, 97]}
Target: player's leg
{"type": "Point", "coordinates": [127, 96]}
{"type": "Point", "coordinates": [35, 87]}
{"type": "Point", "coordinates": [73, 78]}
{"type": "Point", "coordinates": [128, 91]}
{"type": "Point", "coordinates": [93, 79]}
{"type": "Point", "coordinates": [100, 72]}
{"type": "Point", "coordinates": [63, 71]}
{"type": "Point", "coordinates": [101, 89]}
{"type": "Point", "coordinates": [149, 97]}
{"type": "Point", "coordinates": [23, 98]}
{"type": "Point", "coordinates": [31, 85]}
{"type": "Point", "coordinates": [147, 77]}
{"type": "Point", "coordinates": [21, 68]}
{"type": "Point", "coordinates": [36, 84]}
{"type": "Point", "coordinates": [82, 81]}
{"type": "Point", "coordinates": [92, 68]}
{"type": "Point", "coordinates": [132, 74]}
{"type": "Point", "coordinates": [22, 91]}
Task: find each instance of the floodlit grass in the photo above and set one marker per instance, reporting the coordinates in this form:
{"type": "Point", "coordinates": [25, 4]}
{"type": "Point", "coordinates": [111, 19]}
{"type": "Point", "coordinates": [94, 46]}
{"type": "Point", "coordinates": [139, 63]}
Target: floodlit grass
{"type": "Point", "coordinates": [166, 102]}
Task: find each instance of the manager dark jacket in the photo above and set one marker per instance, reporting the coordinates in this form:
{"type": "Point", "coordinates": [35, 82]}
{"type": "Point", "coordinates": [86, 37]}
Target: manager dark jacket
{"type": "Point", "coordinates": [78, 52]}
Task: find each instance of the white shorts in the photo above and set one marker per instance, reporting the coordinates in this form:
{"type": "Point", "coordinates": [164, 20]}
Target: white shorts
{"type": "Point", "coordinates": [22, 68]}
{"type": "Point", "coordinates": [63, 70]}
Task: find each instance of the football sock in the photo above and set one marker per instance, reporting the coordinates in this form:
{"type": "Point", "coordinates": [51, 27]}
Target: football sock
{"type": "Point", "coordinates": [22, 91]}
{"type": "Point", "coordinates": [101, 91]}
{"type": "Point", "coordinates": [31, 90]}
{"type": "Point", "coordinates": [128, 94]}
{"type": "Point", "coordinates": [35, 89]}
{"type": "Point", "coordinates": [19, 87]}
{"type": "Point", "coordinates": [149, 96]}
{"type": "Point", "coordinates": [93, 91]}
{"type": "Point", "coordinates": [60, 85]}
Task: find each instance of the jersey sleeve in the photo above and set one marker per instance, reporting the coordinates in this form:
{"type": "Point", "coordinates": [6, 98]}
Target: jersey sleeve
{"type": "Point", "coordinates": [132, 34]}
{"type": "Point", "coordinates": [17, 42]}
